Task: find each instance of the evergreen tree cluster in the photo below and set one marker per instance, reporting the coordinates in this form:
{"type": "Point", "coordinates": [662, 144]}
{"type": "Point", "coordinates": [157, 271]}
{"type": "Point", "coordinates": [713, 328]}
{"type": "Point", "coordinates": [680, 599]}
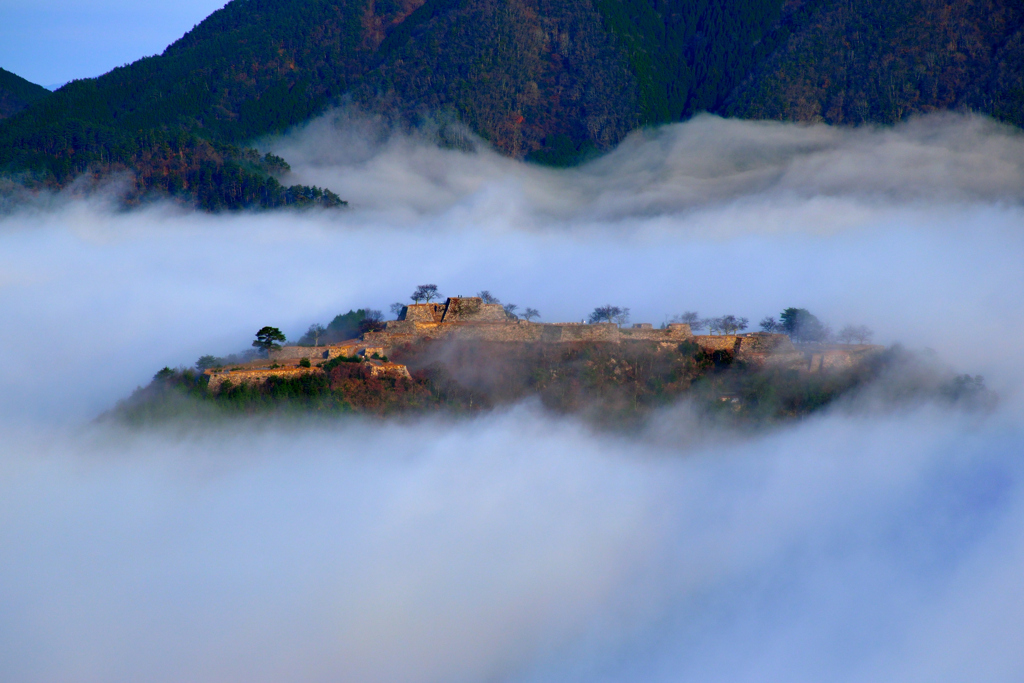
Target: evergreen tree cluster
{"type": "Point", "coordinates": [16, 93]}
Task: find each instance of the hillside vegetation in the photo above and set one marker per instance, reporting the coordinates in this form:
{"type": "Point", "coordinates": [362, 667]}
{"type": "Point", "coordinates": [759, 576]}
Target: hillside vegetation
{"type": "Point", "coordinates": [612, 385]}
{"type": "Point", "coordinates": [877, 61]}
{"type": "Point", "coordinates": [16, 93]}
{"type": "Point", "coordinates": [549, 80]}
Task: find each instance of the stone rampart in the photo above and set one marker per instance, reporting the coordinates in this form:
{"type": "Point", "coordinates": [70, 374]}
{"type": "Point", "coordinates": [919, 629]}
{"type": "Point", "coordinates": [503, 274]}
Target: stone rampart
{"type": "Point", "coordinates": [383, 369]}
{"type": "Point", "coordinates": [473, 309]}
{"type": "Point", "coordinates": [763, 342]}
{"type": "Point", "coordinates": [718, 342]}
{"type": "Point", "coordinates": [825, 358]}
{"type": "Point", "coordinates": [676, 332]}
{"type": "Point", "coordinates": [255, 376]}
{"type": "Point", "coordinates": [399, 332]}
{"type": "Point", "coordinates": [470, 319]}
{"type": "Point", "coordinates": [376, 368]}
{"type": "Point", "coordinates": [423, 313]}
{"type": "Point", "coordinates": [316, 353]}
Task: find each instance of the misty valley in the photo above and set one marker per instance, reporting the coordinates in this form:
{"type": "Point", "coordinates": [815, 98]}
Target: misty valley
{"type": "Point", "coordinates": [758, 415]}
{"type": "Point", "coordinates": [743, 401]}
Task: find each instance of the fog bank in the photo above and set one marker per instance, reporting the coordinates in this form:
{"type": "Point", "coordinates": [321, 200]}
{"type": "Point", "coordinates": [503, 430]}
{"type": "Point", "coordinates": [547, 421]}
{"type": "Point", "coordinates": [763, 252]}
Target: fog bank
{"type": "Point", "coordinates": [517, 548]}
{"type": "Point", "coordinates": [945, 159]}
{"type": "Point", "coordinates": [859, 545]}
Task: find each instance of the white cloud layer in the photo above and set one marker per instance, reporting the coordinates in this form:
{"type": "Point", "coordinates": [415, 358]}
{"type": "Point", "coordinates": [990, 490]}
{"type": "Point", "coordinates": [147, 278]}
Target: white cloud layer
{"type": "Point", "coordinates": [517, 546]}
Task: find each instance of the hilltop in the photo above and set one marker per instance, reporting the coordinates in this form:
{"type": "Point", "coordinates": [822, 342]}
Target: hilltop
{"type": "Point", "coordinates": [548, 80]}
{"type": "Point", "coordinates": [465, 355]}
{"type": "Point", "coordinates": [16, 93]}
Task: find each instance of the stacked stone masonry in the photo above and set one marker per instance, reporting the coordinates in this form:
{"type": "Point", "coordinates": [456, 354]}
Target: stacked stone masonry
{"type": "Point", "coordinates": [470, 319]}
{"type": "Point", "coordinates": [254, 375]}
{"type": "Point", "coordinates": [376, 368]}
{"type": "Point", "coordinates": [348, 349]}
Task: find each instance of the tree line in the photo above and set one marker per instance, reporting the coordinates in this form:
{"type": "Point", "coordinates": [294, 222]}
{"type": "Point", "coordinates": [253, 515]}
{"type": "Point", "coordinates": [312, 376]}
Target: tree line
{"type": "Point", "coordinates": [799, 324]}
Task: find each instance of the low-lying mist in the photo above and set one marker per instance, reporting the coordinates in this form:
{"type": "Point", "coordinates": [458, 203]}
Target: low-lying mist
{"type": "Point", "coordinates": [514, 547]}
{"type": "Point", "coordinates": [518, 546]}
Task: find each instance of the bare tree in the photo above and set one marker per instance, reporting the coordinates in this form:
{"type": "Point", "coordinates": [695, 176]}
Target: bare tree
{"type": "Point", "coordinates": [315, 331]}
{"type": "Point", "coordinates": [424, 293]}
{"type": "Point", "coordinates": [864, 334]}
{"type": "Point", "coordinates": [769, 324]}
{"type": "Point", "coordinates": [730, 324]}
{"type": "Point", "coordinates": [603, 314]}
{"type": "Point", "coordinates": [396, 308]}
{"type": "Point", "coordinates": [688, 317]}
{"type": "Point", "coordinates": [510, 311]}
{"type": "Point", "coordinates": [855, 333]}
{"type": "Point", "coordinates": [488, 297]}
{"type": "Point", "coordinates": [691, 318]}
{"type": "Point", "coordinates": [372, 321]}
{"type": "Point", "coordinates": [530, 313]}
{"type": "Point", "coordinates": [609, 314]}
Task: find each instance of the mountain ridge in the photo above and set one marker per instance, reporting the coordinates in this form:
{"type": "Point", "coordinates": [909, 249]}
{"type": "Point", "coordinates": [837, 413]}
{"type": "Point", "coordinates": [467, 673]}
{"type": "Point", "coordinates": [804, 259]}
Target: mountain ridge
{"type": "Point", "coordinates": [546, 80]}
{"type": "Point", "coordinates": [17, 93]}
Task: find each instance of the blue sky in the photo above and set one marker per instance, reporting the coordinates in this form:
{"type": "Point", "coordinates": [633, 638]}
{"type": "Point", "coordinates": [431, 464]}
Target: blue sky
{"type": "Point", "coordinates": [50, 42]}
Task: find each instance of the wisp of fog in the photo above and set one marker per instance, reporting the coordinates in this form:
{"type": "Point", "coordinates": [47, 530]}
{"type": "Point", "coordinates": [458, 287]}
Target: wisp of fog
{"type": "Point", "coordinates": [863, 544]}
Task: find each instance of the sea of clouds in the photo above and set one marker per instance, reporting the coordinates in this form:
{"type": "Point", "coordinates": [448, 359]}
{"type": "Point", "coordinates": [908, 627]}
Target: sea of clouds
{"type": "Point", "coordinates": [863, 545]}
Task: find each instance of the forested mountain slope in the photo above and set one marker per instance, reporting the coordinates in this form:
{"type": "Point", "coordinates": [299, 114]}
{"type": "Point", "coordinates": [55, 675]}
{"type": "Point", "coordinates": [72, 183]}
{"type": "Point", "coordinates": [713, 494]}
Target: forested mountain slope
{"type": "Point", "coordinates": [16, 93]}
{"type": "Point", "coordinates": [852, 62]}
{"type": "Point", "coordinates": [548, 80]}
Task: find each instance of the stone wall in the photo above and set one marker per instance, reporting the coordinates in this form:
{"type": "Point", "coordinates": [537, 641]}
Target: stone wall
{"type": "Point", "coordinates": [473, 309]}
{"type": "Point", "coordinates": [381, 369]}
{"type": "Point", "coordinates": [375, 367]}
{"type": "Point", "coordinates": [825, 358]}
{"type": "Point", "coordinates": [398, 332]}
{"type": "Point", "coordinates": [424, 313]}
{"type": "Point", "coordinates": [468, 318]}
{"type": "Point", "coordinates": [255, 376]}
{"type": "Point", "coordinates": [675, 332]}
{"type": "Point", "coordinates": [455, 310]}
{"type": "Point", "coordinates": [762, 342]}
{"type": "Point", "coordinates": [757, 344]}
{"type": "Point", "coordinates": [718, 342]}
{"type": "Point", "coordinates": [316, 353]}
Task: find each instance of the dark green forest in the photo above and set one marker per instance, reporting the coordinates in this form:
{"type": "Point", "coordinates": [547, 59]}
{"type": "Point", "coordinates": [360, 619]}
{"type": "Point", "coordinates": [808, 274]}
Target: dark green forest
{"type": "Point", "coordinates": [16, 93]}
{"type": "Point", "coordinates": [549, 80]}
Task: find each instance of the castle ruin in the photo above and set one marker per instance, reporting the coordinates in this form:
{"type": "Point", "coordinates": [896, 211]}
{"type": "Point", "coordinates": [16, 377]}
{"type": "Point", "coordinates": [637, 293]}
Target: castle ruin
{"type": "Point", "coordinates": [470, 319]}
